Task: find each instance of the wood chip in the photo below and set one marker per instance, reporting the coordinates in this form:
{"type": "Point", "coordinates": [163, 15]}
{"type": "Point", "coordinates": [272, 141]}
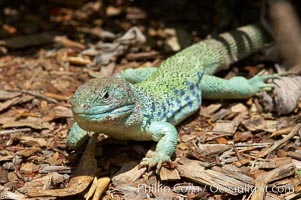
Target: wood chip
{"type": "Point", "coordinates": [291, 154]}
{"type": "Point", "coordinates": [241, 162]}
{"type": "Point", "coordinates": [79, 61]}
{"type": "Point", "coordinates": [6, 95]}
{"type": "Point", "coordinates": [239, 108]}
{"type": "Point", "coordinates": [44, 182]}
{"type": "Point", "coordinates": [58, 96]}
{"type": "Point", "coordinates": [27, 168]}
{"type": "Point", "coordinates": [102, 184]}
{"type": "Point", "coordinates": [217, 179]}
{"type": "Point", "coordinates": [259, 123]}
{"type": "Point", "coordinates": [33, 122]}
{"type": "Point", "coordinates": [220, 114]}
{"type": "Point", "coordinates": [242, 136]}
{"type": "Point", "coordinates": [224, 127]}
{"type": "Point", "coordinates": [8, 103]}
{"type": "Point", "coordinates": [61, 111]}
{"type": "Point", "coordinates": [12, 177]}
{"type": "Point", "coordinates": [4, 194]}
{"type": "Point", "coordinates": [284, 131]}
{"type": "Point", "coordinates": [92, 189]}
{"type": "Point", "coordinates": [60, 169]}
{"type": "Point", "coordinates": [129, 173]}
{"type": "Point", "coordinates": [113, 11]}
{"type": "Point", "coordinates": [273, 163]}
{"type": "Point", "coordinates": [6, 158]}
{"type": "Point", "coordinates": [278, 144]}
{"type": "Point", "coordinates": [28, 151]}
{"type": "Point", "coordinates": [33, 141]}
{"type": "Point", "coordinates": [169, 174]}
{"type": "Point", "coordinates": [68, 43]}
{"type": "Point", "coordinates": [209, 110]}
{"type": "Point", "coordinates": [3, 176]}
{"type": "Point", "coordinates": [213, 149]}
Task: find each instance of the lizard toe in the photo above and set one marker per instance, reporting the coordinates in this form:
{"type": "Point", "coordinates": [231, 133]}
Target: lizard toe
{"type": "Point", "coordinates": [149, 162]}
{"type": "Point", "coordinates": [263, 78]}
{"type": "Point", "coordinates": [156, 160]}
{"type": "Point", "coordinates": [267, 87]}
{"type": "Point", "coordinates": [270, 76]}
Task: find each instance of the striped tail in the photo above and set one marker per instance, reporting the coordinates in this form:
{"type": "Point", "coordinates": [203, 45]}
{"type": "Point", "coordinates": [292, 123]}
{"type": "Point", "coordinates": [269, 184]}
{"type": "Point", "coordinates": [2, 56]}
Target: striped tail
{"type": "Point", "coordinates": [232, 46]}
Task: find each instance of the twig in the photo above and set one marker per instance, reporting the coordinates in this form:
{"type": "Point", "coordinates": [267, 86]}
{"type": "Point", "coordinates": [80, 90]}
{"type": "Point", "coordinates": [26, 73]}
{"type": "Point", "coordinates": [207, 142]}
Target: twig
{"type": "Point", "coordinates": [51, 100]}
{"type": "Point", "coordinates": [14, 131]}
{"type": "Point", "coordinates": [251, 145]}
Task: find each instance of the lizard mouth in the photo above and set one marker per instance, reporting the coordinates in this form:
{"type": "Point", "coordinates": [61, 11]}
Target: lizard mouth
{"type": "Point", "coordinates": [99, 113]}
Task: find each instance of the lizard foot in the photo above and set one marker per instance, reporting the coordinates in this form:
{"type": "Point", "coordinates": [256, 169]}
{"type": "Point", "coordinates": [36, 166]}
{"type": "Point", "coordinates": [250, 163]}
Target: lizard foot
{"type": "Point", "coordinates": [156, 159]}
{"type": "Point", "coordinates": [258, 82]}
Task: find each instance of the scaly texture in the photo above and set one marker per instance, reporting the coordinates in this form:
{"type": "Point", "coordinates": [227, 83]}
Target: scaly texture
{"type": "Point", "coordinates": [163, 97]}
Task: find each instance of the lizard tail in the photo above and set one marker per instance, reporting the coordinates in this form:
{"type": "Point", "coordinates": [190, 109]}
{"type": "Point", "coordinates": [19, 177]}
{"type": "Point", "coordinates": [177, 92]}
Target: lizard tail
{"type": "Point", "coordinates": [232, 46]}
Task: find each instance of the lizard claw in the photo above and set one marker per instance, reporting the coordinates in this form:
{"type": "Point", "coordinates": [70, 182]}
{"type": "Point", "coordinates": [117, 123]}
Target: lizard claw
{"type": "Point", "coordinates": [156, 160]}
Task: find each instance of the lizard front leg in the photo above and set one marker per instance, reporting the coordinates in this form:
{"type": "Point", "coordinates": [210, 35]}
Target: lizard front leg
{"type": "Point", "coordinates": [76, 136]}
{"type": "Point", "coordinates": [167, 137]}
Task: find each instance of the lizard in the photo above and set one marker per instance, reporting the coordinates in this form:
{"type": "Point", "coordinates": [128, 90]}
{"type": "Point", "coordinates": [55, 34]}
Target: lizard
{"type": "Point", "coordinates": [146, 104]}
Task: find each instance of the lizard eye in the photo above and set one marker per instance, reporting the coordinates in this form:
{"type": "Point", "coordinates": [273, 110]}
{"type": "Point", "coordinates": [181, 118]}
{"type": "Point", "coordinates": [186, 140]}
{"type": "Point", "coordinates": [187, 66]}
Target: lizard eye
{"type": "Point", "coordinates": [106, 95]}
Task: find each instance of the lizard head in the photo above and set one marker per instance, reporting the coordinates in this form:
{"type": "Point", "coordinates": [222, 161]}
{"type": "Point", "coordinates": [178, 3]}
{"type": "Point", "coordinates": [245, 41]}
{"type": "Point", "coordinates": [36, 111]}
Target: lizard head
{"type": "Point", "coordinates": [101, 104]}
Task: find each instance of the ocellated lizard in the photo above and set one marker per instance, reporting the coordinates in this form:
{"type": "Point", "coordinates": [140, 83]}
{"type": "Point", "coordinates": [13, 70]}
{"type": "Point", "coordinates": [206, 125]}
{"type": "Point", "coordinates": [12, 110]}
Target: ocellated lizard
{"type": "Point", "coordinates": [162, 98]}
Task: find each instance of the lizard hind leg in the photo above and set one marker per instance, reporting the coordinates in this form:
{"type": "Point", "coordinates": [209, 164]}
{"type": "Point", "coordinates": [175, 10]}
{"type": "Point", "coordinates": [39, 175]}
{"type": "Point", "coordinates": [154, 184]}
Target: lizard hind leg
{"type": "Point", "coordinates": [237, 87]}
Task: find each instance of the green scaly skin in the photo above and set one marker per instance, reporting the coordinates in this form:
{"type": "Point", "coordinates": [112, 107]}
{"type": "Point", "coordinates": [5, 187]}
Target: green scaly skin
{"type": "Point", "coordinates": [162, 98]}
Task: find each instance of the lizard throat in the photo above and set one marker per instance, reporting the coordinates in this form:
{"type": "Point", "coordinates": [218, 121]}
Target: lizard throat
{"type": "Point", "coordinates": [112, 122]}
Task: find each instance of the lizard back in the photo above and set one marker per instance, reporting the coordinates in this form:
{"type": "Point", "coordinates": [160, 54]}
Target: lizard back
{"type": "Point", "coordinates": [174, 91]}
